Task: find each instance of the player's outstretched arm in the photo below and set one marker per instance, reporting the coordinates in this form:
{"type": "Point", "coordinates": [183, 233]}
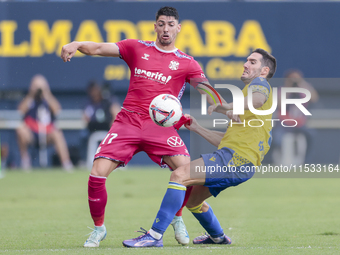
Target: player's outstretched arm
{"type": "Point", "coordinates": [89, 48]}
{"type": "Point", "coordinates": [213, 137]}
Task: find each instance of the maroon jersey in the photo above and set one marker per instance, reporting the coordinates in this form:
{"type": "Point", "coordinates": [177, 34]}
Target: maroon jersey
{"type": "Point", "coordinates": [155, 71]}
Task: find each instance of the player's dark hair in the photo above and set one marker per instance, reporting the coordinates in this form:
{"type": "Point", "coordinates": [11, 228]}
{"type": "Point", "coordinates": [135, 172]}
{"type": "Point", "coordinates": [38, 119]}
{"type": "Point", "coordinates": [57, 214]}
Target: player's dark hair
{"type": "Point", "coordinates": [167, 11]}
{"type": "Point", "coordinates": [267, 60]}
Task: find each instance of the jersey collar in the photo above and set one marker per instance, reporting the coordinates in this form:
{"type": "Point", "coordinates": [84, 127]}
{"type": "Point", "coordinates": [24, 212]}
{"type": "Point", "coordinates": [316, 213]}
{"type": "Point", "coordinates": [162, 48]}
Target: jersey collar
{"type": "Point", "coordinates": [165, 51]}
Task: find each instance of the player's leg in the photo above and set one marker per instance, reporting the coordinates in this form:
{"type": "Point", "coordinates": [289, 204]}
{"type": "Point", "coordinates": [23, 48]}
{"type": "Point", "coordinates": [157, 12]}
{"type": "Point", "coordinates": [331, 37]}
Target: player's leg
{"type": "Point", "coordinates": [206, 217]}
{"type": "Point", "coordinates": [167, 149]}
{"type": "Point", "coordinates": [97, 191]}
{"type": "Point", "coordinates": [116, 149]}
{"type": "Point", "coordinates": [58, 139]}
{"type": "Point", "coordinates": [172, 202]}
{"type": "Point", "coordinates": [174, 162]}
{"type": "Point", "coordinates": [25, 137]}
{"type": "Point", "coordinates": [196, 173]}
{"type": "Point", "coordinates": [97, 197]}
{"type": "Point", "coordinates": [221, 173]}
{"type": "Point", "coordinates": [181, 233]}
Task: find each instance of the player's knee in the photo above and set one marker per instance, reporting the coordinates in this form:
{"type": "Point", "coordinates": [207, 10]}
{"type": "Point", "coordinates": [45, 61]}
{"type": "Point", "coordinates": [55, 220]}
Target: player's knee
{"type": "Point", "coordinates": [180, 175]}
{"type": "Point", "coordinates": [96, 170]}
{"type": "Point", "coordinates": [176, 176]}
{"type": "Point", "coordinates": [103, 167]}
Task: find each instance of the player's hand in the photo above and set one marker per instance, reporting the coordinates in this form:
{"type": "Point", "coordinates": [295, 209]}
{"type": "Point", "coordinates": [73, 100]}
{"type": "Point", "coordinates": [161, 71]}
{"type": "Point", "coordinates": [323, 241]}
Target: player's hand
{"type": "Point", "coordinates": [68, 51]}
{"type": "Point", "coordinates": [193, 124]}
{"type": "Point", "coordinates": [185, 119]}
{"type": "Point", "coordinates": [218, 108]}
{"type": "Point", "coordinates": [234, 117]}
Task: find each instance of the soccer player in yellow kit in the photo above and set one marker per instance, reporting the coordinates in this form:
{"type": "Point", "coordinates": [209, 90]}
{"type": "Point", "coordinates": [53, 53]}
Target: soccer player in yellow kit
{"type": "Point", "coordinates": [240, 149]}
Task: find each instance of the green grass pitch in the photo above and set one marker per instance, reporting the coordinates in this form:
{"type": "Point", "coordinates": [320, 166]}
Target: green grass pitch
{"type": "Point", "coordinates": [46, 212]}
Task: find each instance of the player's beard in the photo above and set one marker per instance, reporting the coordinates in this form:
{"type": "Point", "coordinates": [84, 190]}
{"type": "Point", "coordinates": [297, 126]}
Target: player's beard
{"type": "Point", "coordinates": [165, 42]}
{"type": "Point", "coordinates": [246, 80]}
{"type": "Point", "coordinates": [251, 76]}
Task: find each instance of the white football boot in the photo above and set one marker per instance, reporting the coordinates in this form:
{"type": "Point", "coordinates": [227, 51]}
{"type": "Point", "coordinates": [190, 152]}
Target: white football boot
{"type": "Point", "coordinates": [96, 236]}
{"type": "Point", "coordinates": [181, 233]}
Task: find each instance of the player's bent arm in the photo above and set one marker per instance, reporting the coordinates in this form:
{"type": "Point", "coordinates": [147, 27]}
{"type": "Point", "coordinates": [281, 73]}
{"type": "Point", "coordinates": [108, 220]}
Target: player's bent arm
{"type": "Point", "coordinates": [258, 100]}
{"type": "Point", "coordinates": [213, 137]}
{"type": "Point", "coordinates": [220, 108]}
{"type": "Point", "coordinates": [219, 133]}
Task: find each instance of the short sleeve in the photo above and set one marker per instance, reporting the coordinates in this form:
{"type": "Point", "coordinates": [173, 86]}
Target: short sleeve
{"type": "Point", "coordinates": [125, 48]}
{"type": "Point", "coordinates": [195, 74]}
{"type": "Point", "coordinates": [260, 85]}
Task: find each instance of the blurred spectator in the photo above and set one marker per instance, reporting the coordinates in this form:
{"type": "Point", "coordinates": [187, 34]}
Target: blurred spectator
{"type": "Point", "coordinates": [102, 108]}
{"type": "Point", "coordinates": [39, 109]}
{"type": "Point", "coordinates": [293, 144]}
{"type": "Point", "coordinates": [99, 114]}
{"type": "Point", "coordinates": [4, 153]}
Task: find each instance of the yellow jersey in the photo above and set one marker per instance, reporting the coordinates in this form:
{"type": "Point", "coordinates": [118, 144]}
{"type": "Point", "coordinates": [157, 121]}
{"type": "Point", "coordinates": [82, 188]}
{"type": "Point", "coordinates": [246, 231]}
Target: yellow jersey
{"type": "Point", "coordinates": [251, 139]}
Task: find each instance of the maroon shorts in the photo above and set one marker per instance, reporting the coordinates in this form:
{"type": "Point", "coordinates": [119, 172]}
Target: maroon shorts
{"type": "Point", "coordinates": [132, 132]}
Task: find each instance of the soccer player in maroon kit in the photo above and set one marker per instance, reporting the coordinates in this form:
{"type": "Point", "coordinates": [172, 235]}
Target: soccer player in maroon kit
{"type": "Point", "coordinates": [156, 68]}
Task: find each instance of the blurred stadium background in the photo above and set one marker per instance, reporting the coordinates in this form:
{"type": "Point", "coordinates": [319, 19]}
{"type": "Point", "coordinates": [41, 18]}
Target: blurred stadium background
{"type": "Point", "coordinates": [301, 35]}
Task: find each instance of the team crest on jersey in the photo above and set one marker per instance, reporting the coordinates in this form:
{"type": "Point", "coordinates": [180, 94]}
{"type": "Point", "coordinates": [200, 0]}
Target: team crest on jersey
{"type": "Point", "coordinates": [173, 65]}
{"type": "Point", "coordinates": [175, 141]}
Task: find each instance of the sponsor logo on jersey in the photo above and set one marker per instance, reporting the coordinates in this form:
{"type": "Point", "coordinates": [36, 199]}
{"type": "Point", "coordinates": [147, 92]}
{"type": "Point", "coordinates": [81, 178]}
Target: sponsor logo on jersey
{"type": "Point", "coordinates": [212, 159]}
{"type": "Point", "coordinates": [146, 56]}
{"type": "Point", "coordinates": [175, 141]}
{"type": "Point", "coordinates": [173, 65]}
{"type": "Point", "coordinates": [159, 77]}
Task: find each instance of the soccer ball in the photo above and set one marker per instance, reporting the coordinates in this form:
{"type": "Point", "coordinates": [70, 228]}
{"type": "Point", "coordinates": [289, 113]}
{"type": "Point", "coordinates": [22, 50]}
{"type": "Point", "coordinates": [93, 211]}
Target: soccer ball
{"type": "Point", "coordinates": [165, 110]}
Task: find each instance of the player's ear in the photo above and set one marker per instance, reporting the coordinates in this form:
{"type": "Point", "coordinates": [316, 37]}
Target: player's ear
{"type": "Point", "coordinates": [265, 71]}
{"type": "Point", "coordinates": [179, 26]}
